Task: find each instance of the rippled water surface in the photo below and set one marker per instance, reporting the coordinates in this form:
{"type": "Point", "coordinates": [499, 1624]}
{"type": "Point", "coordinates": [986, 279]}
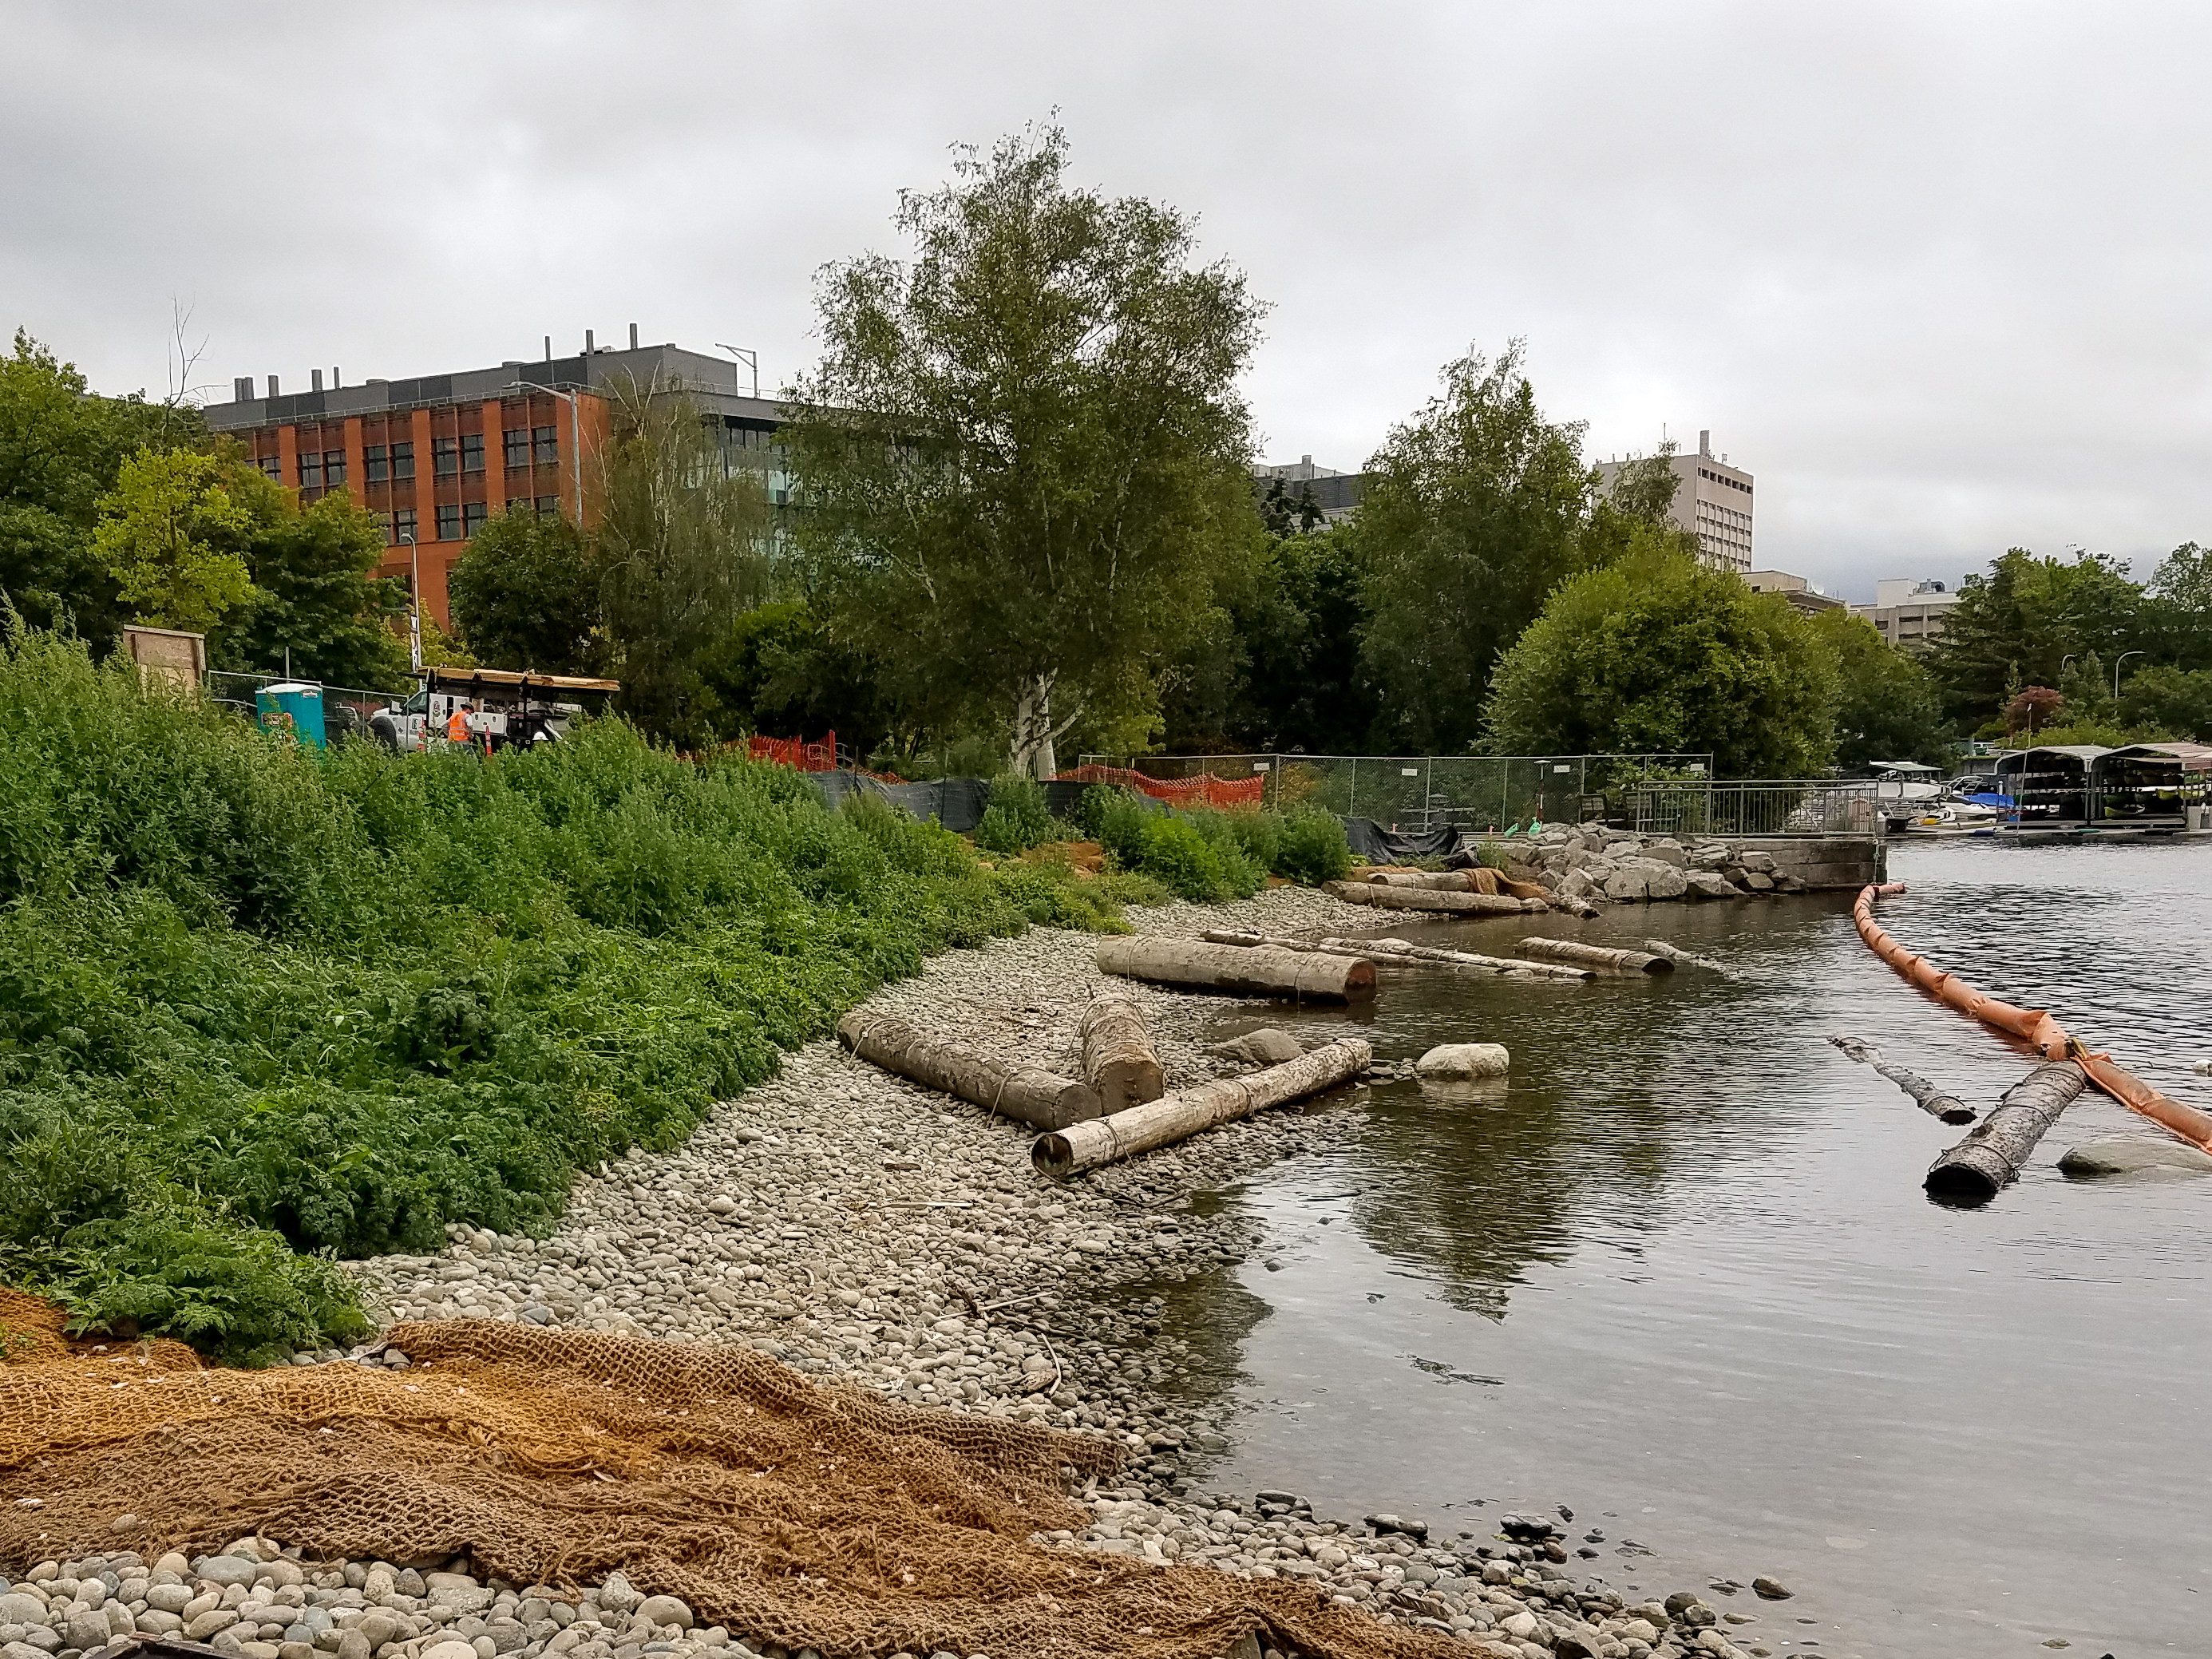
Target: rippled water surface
{"type": "Point", "coordinates": [1677, 1272]}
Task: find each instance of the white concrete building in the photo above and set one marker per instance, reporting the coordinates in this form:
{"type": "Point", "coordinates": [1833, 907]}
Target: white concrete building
{"type": "Point", "coordinates": [1909, 614]}
{"type": "Point", "coordinates": [1713, 503]}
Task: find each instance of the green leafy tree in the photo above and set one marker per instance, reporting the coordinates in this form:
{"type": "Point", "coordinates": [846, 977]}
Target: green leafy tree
{"type": "Point", "coordinates": [1887, 706]}
{"type": "Point", "coordinates": [1022, 459]}
{"type": "Point", "coordinates": [314, 601]}
{"type": "Point", "coordinates": [680, 549]}
{"type": "Point", "coordinates": [2184, 578]}
{"type": "Point", "coordinates": [525, 595]}
{"type": "Point", "coordinates": [1659, 652]}
{"type": "Point", "coordinates": [776, 671]}
{"type": "Point", "coordinates": [168, 532]}
{"type": "Point", "coordinates": [2019, 623]}
{"type": "Point", "coordinates": [2165, 702]}
{"type": "Point", "coordinates": [61, 448]}
{"type": "Point", "coordinates": [1475, 510]}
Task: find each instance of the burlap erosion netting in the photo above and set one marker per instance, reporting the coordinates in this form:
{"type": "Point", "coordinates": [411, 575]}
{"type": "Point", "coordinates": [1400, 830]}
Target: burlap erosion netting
{"type": "Point", "coordinates": [781, 1508]}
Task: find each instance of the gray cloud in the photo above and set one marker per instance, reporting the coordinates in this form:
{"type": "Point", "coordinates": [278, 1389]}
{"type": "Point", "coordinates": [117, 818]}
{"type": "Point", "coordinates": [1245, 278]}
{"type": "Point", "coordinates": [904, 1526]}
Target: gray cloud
{"type": "Point", "coordinates": [1936, 274]}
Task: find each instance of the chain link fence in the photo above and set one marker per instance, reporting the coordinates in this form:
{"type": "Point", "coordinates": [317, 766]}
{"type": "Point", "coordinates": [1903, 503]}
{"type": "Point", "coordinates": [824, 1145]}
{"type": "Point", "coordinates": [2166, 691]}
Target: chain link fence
{"type": "Point", "coordinates": [1412, 793]}
{"type": "Point", "coordinates": [1811, 806]}
{"type": "Point", "coordinates": [346, 708]}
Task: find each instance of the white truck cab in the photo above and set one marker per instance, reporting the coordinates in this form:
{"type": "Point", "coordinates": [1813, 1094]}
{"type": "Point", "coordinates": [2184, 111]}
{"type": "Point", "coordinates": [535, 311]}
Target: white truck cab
{"type": "Point", "coordinates": [502, 708]}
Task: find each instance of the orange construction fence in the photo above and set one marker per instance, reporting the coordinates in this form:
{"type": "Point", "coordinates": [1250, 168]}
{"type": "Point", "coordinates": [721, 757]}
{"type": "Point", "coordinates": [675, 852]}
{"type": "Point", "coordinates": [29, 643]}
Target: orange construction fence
{"type": "Point", "coordinates": [797, 753]}
{"type": "Point", "coordinates": [2033, 1026]}
{"type": "Point", "coordinates": [1204, 790]}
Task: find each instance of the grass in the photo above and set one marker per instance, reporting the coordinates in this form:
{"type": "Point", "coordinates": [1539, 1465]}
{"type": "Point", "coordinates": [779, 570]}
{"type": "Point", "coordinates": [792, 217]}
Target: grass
{"type": "Point", "coordinates": [262, 1009]}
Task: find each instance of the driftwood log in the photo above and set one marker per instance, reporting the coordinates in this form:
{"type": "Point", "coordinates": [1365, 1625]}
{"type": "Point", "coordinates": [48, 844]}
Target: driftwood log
{"type": "Point", "coordinates": [1119, 1062]}
{"type": "Point", "coordinates": [1423, 898]}
{"type": "Point", "coordinates": [1925, 1094]}
{"type": "Point", "coordinates": [1026, 1093]}
{"type": "Point", "coordinates": [1574, 906]}
{"type": "Point", "coordinates": [1989, 1159]}
{"type": "Point", "coordinates": [1675, 953]}
{"type": "Point", "coordinates": [1597, 955]}
{"type": "Point", "coordinates": [1178, 1116]}
{"type": "Point", "coordinates": [1399, 950]}
{"type": "Point", "coordinates": [1259, 971]}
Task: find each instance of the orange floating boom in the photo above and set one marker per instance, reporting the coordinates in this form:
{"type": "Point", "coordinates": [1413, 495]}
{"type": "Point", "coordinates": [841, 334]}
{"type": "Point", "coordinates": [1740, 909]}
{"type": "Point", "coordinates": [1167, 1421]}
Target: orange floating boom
{"type": "Point", "coordinates": [2031, 1025]}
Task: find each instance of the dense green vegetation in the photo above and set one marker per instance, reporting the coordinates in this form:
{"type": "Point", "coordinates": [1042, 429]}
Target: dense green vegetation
{"type": "Point", "coordinates": [258, 1003]}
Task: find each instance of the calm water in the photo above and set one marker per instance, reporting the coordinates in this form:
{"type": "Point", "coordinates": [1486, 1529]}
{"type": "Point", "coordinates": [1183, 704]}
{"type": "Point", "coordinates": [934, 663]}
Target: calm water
{"type": "Point", "coordinates": [1679, 1273]}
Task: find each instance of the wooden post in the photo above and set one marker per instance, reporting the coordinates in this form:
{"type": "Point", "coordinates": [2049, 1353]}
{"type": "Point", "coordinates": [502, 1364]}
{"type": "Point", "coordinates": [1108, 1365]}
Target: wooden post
{"type": "Point", "coordinates": [1988, 1160]}
{"type": "Point", "coordinates": [1598, 955]}
{"type": "Point", "coordinates": [1177, 1117]}
{"type": "Point", "coordinates": [1024, 1093]}
{"type": "Point", "coordinates": [1119, 1062]}
{"type": "Point", "coordinates": [1260, 972]}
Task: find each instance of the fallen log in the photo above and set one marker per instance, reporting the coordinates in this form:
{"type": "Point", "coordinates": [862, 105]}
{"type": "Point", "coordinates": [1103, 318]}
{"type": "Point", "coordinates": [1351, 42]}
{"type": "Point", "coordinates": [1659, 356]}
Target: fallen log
{"type": "Point", "coordinates": [1422, 898]}
{"type": "Point", "coordinates": [1027, 1094]}
{"type": "Point", "coordinates": [1119, 1062]}
{"type": "Point", "coordinates": [1162, 1122]}
{"type": "Point", "coordinates": [1925, 1094]}
{"type": "Point", "coordinates": [1597, 955]}
{"type": "Point", "coordinates": [1581, 908]}
{"type": "Point", "coordinates": [1444, 881]}
{"type": "Point", "coordinates": [1988, 1160]}
{"type": "Point", "coordinates": [1675, 953]}
{"type": "Point", "coordinates": [1399, 950]}
{"type": "Point", "coordinates": [1258, 971]}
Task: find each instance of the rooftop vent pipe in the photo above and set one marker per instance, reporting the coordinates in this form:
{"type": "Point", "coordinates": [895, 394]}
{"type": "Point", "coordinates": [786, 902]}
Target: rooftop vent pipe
{"type": "Point", "coordinates": [314, 379]}
{"type": "Point", "coordinates": [272, 385]}
{"type": "Point", "coordinates": [633, 336]}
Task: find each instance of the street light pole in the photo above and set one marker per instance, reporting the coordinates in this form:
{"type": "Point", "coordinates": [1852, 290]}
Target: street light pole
{"type": "Point", "coordinates": [751, 359]}
{"type": "Point", "coordinates": [2122, 658]}
{"type": "Point", "coordinates": [415, 606]}
{"type": "Point", "coordinates": [575, 437]}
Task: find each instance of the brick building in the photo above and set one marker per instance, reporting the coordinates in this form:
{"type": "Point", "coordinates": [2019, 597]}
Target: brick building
{"type": "Point", "coordinates": [436, 457]}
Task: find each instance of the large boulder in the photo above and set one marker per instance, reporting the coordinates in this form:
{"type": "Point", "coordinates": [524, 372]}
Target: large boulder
{"type": "Point", "coordinates": [1627, 883]}
{"type": "Point", "coordinates": [1464, 1059]}
{"type": "Point", "coordinates": [1666, 851]}
{"type": "Point", "coordinates": [1578, 884]}
{"type": "Point", "coordinates": [1666, 882]}
{"type": "Point", "coordinates": [2126, 1154]}
{"type": "Point", "coordinates": [1709, 884]}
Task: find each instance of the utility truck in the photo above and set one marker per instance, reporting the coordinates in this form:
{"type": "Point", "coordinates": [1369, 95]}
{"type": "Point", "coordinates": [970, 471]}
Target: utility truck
{"type": "Point", "coordinates": [500, 708]}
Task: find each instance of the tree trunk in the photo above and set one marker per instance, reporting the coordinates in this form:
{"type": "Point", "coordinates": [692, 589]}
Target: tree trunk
{"type": "Point", "coordinates": [1024, 1093]}
{"type": "Point", "coordinates": [1385, 897]}
{"type": "Point", "coordinates": [1034, 738]}
{"type": "Point", "coordinates": [1925, 1094]}
{"type": "Point", "coordinates": [1118, 1059]}
{"type": "Point", "coordinates": [1228, 969]}
{"type": "Point", "coordinates": [1177, 1117]}
{"type": "Point", "coordinates": [1675, 953]}
{"type": "Point", "coordinates": [1399, 950]}
{"type": "Point", "coordinates": [1598, 955]}
{"type": "Point", "coordinates": [1988, 1160]}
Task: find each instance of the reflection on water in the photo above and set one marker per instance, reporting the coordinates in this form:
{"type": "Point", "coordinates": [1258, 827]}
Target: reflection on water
{"type": "Point", "coordinates": [1679, 1269]}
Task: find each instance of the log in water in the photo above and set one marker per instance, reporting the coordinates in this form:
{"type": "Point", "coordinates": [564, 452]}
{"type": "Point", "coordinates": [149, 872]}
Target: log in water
{"type": "Point", "coordinates": [1597, 955]}
{"type": "Point", "coordinates": [1256, 971]}
{"type": "Point", "coordinates": [1119, 1062]}
{"type": "Point", "coordinates": [1925, 1094]}
{"type": "Point", "coordinates": [1405, 953]}
{"type": "Point", "coordinates": [1175, 1117]}
{"type": "Point", "coordinates": [1026, 1093]}
{"type": "Point", "coordinates": [1422, 898]}
{"type": "Point", "coordinates": [1987, 1161]}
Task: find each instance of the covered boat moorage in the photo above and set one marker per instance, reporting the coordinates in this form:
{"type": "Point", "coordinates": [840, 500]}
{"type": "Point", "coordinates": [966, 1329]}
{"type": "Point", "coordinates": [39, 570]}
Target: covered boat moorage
{"type": "Point", "coordinates": [2150, 786]}
{"type": "Point", "coordinates": [2049, 789]}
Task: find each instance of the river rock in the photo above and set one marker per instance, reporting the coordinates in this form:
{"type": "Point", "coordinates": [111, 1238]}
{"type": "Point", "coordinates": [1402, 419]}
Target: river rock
{"type": "Point", "coordinates": [1457, 1060]}
{"type": "Point", "coordinates": [1265, 1046]}
{"type": "Point", "coordinates": [226, 1570]}
{"type": "Point", "coordinates": [658, 1610]}
{"type": "Point", "coordinates": [1770, 1589]}
{"type": "Point", "coordinates": [2126, 1154]}
{"type": "Point", "coordinates": [1709, 884]}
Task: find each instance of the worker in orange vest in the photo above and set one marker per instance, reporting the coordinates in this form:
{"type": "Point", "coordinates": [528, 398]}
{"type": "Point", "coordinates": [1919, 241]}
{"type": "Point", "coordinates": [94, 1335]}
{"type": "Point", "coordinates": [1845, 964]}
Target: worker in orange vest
{"type": "Point", "coordinates": [457, 725]}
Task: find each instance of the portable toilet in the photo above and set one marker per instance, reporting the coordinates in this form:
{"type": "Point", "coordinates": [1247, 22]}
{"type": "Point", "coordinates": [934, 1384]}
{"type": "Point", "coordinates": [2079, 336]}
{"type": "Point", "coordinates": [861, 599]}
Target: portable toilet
{"type": "Point", "coordinates": [293, 706]}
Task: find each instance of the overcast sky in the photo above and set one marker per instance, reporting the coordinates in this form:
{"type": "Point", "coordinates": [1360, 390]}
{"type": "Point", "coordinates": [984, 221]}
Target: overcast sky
{"type": "Point", "coordinates": [1937, 275]}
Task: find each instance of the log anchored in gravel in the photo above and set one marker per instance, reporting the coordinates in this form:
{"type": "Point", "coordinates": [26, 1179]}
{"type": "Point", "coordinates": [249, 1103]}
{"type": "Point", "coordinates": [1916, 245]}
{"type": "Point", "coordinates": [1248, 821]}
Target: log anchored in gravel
{"type": "Point", "coordinates": [1925, 1094]}
{"type": "Point", "coordinates": [1119, 1062]}
{"type": "Point", "coordinates": [1260, 971]}
{"type": "Point", "coordinates": [1027, 1094]}
{"type": "Point", "coordinates": [1175, 1117]}
{"type": "Point", "coordinates": [1987, 1161]}
{"type": "Point", "coordinates": [1597, 955]}
{"type": "Point", "coordinates": [1421, 898]}
{"type": "Point", "coordinates": [1401, 951]}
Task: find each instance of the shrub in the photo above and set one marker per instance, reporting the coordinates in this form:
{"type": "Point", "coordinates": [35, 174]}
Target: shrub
{"type": "Point", "coordinates": [260, 1008]}
{"type": "Point", "coordinates": [1016, 818]}
{"type": "Point", "coordinates": [1312, 849]}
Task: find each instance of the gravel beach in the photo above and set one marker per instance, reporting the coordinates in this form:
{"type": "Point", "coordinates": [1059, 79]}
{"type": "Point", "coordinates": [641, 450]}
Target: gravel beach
{"type": "Point", "coordinates": [868, 1232]}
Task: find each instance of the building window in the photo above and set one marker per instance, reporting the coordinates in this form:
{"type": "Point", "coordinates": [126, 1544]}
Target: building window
{"type": "Point", "coordinates": [399, 527]}
{"type": "Point", "coordinates": [334, 467]}
{"type": "Point", "coordinates": [517, 447]}
{"type": "Point", "coordinates": [311, 470]}
{"type": "Point", "coordinates": [473, 514]}
{"type": "Point", "coordinates": [373, 464]}
{"type": "Point", "coordinates": [272, 468]}
{"type": "Point", "coordinates": [449, 521]}
{"type": "Point", "coordinates": [403, 460]}
{"type": "Point", "coordinates": [445, 459]}
{"type": "Point", "coordinates": [472, 452]}
{"type": "Point", "coordinates": [547, 446]}
{"type": "Point", "coordinates": [549, 507]}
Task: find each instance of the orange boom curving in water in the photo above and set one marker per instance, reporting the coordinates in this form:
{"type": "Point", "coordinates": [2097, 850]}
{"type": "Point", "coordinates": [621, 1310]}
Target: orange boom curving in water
{"type": "Point", "coordinates": [2031, 1025]}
